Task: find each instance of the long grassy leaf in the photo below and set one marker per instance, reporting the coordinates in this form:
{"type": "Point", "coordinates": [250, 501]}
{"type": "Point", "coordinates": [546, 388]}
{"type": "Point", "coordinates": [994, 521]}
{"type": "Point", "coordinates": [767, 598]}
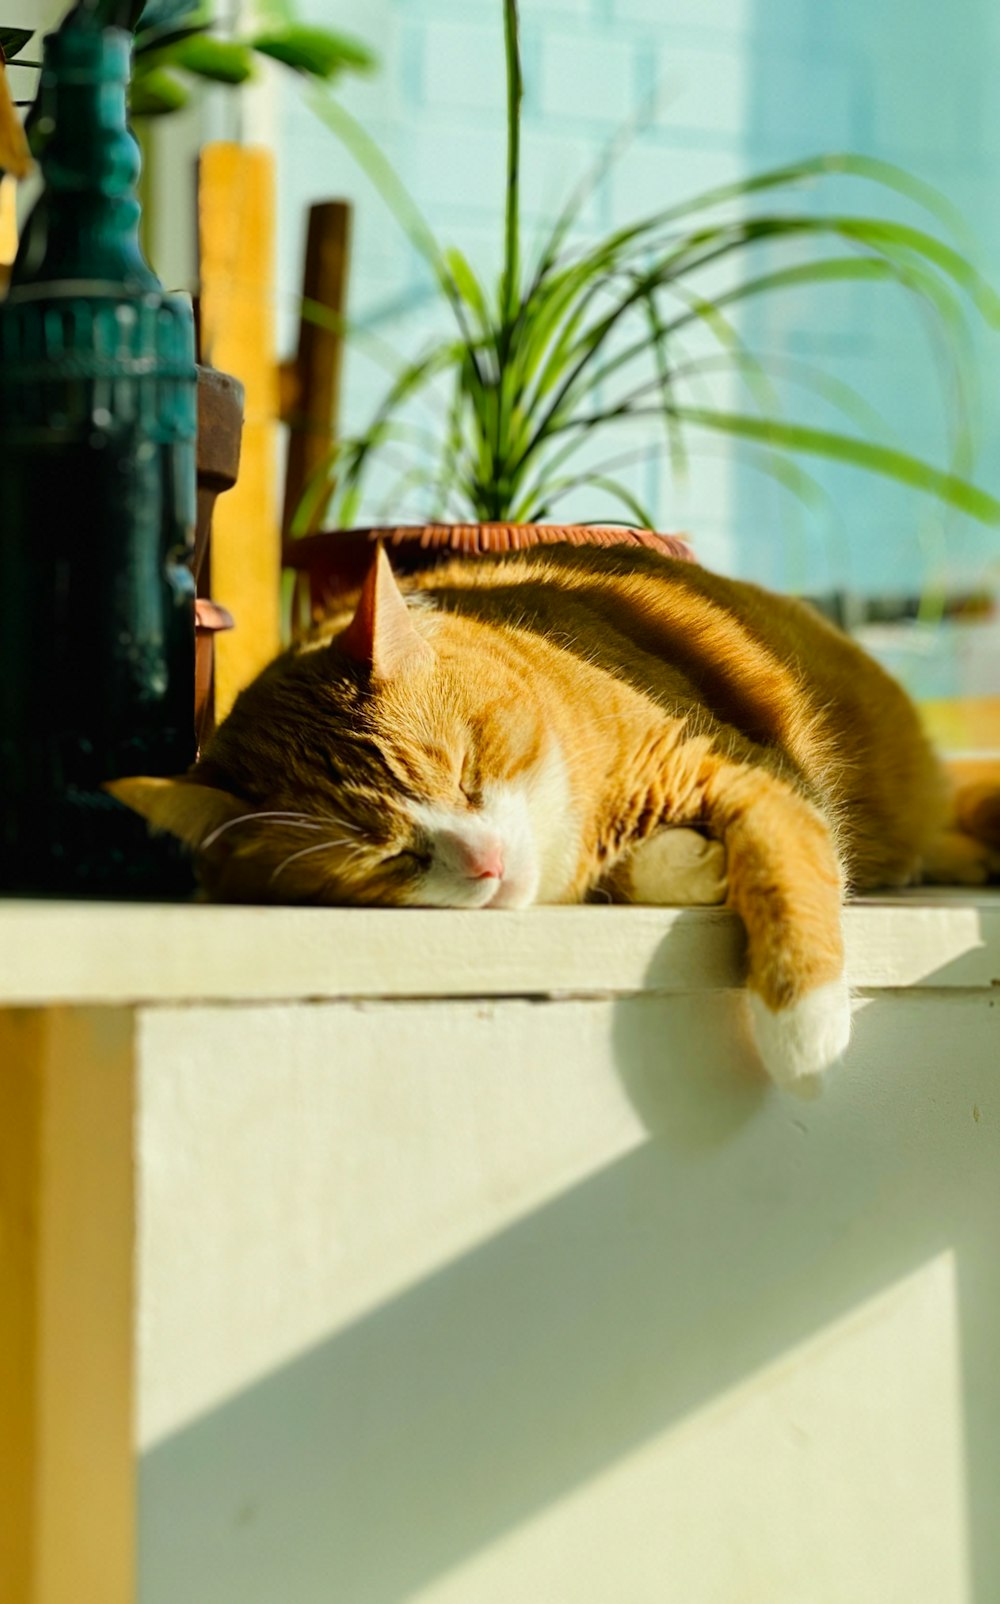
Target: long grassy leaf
{"type": "Point", "coordinates": [665, 385]}
{"type": "Point", "coordinates": [510, 283]}
{"type": "Point", "coordinates": [802, 274]}
{"type": "Point", "coordinates": [885, 460]}
{"type": "Point", "coordinates": [790, 176]}
{"type": "Point", "coordinates": [596, 481]}
{"type": "Point", "coordinates": [399, 200]}
{"type": "Point", "coordinates": [713, 245]}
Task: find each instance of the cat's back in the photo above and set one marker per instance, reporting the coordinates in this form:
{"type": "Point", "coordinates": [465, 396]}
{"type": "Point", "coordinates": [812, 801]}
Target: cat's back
{"type": "Point", "coordinates": [765, 665]}
{"type": "Point", "coordinates": [761, 662]}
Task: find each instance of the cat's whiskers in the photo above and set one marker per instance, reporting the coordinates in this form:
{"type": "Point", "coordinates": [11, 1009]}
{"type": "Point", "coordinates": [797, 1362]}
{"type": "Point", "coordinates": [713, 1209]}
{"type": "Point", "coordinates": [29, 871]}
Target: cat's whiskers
{"type": "Point", "coordinates": [304, 852]}
{"type": "Point", "coordinates": [298, 821]}
{"type": "Point", "coordinates": [342, 824]}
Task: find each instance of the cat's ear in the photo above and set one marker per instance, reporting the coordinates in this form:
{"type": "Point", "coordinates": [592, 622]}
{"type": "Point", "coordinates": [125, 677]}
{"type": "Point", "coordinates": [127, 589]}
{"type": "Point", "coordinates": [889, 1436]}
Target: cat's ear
{"type": "Point", "coordinates": [382, 635]}
{"type": "Point", "coordinates": [183, 808]}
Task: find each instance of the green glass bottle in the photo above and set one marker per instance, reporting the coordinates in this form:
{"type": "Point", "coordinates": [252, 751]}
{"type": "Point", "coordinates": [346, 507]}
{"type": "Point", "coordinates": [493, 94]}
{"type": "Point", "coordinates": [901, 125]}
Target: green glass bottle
{"type": "Point", "coordinates": [97, 502]}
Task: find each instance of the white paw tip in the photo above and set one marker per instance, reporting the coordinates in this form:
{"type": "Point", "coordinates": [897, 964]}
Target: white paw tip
{"type": "Point", "coordinates": [805, 1039]}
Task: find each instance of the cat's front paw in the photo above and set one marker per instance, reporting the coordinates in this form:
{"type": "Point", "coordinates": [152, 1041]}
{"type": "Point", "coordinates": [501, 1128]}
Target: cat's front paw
{"type": "Point", "coordinates": [677, 868]}
{"type": "Point", "coordinates": [803, 1040]}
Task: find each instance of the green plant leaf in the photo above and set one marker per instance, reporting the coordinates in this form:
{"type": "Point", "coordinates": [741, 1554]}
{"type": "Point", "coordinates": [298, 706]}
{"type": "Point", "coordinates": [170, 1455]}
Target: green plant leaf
{"type": "Point", "coordinates": [163, 13]}
{"type": "Point", "coordinates": [167, 24]}
{"type": "Point", "coordinates": [753, 367]}
{"type": "Point", "coordinates": [957, 492]}
{"type": "Point", "coordinates": [600, 481]}
{"type": "Point", "coordinates": [150, 49]}
{"type": "Point", "coordinates": [403, 207]}
{"type": "Point", "coordinates": [869, 169]}
{"type": "Point", "coordinates": [222, 60]}
{"type": "Point", "coordinates": [468, 287]}
{"type": "Point", "coordinates": [112, 13]}
{"type": "Point", "coordinates": [158, 92]}
{"type": "Point", "coordinates": [389, 186]}
{"type": "Point", "coordinates": [273, 15]}
{"type": "Point", "coordinates": [13, 41]}
{"type": "Point", "coordinates": [665, 382]}
{"type": "Point", "coordinates": [540, 497]}
{"type": "Point", "coordinates": [317, 52]}
{"type": "Point", "coordinates": [879, 174]}
{"type": "Point", "coordinates": [898, 244]}
{"type": "Point", "coordinates": [511, 272]}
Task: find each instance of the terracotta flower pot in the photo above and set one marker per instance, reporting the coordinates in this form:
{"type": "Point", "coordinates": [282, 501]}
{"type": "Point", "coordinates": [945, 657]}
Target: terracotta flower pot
{"type": "Point", "coordinates": [333, 563]}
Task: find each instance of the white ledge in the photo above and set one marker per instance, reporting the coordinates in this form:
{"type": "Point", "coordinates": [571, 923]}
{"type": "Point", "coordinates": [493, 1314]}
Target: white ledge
{"type": "Point", "coordinates": [77, 952]}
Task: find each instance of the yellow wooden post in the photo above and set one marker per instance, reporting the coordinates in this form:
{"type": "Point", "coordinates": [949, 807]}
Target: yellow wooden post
{"type": "Point", "coordinates": [66, 1306]}
{"type": "Point", "coordinates": [236, 243]}
{"type": "Point", "coordinates": [8, 224]}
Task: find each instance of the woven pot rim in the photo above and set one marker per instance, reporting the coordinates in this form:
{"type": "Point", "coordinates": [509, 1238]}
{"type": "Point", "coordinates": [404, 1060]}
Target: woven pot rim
{"type": "Point", "coordinates": [475, 539]}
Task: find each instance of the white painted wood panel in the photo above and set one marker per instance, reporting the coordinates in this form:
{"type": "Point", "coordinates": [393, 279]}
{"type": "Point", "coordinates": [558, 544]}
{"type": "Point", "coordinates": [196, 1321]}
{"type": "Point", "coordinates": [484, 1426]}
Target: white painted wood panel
{"type": "Point", "coordinates": [478, 1262]}
{"type": "Point", "coordinates": [558, 1301]}
{"type": "Point", "coordinates": [834, 1475]}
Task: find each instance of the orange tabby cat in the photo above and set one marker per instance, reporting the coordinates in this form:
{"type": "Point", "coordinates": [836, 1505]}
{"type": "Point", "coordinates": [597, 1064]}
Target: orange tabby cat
{"type": "Point", "coordinates": [575, 722]}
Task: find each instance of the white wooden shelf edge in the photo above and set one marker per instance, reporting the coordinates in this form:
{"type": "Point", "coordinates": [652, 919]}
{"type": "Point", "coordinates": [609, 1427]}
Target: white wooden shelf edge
{"type": "Point", "coordinates": [76, 952]}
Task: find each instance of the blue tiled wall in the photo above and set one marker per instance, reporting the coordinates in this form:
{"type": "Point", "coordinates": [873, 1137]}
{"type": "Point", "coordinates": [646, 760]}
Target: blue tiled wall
{"type": "Point", "coordinates": [738, 85]}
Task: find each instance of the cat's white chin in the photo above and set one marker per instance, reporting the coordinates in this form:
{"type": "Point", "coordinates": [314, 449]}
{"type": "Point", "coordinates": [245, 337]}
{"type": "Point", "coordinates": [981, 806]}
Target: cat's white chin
{"type": "Point", "coordinates": [518, 891]}
{"type": "Point", "coordinates": [502, 828]}
{"type": "Point", "coordinates": [798, 1043]}
{"type": "Point", "coordinates": [447, 891]}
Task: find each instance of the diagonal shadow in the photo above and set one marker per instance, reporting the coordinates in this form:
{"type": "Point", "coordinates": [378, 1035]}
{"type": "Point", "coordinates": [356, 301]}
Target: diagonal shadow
{"type": "Point", "coordinates": [456, 1410]}
{"type": "Point", "coordinates": [916, 1058]}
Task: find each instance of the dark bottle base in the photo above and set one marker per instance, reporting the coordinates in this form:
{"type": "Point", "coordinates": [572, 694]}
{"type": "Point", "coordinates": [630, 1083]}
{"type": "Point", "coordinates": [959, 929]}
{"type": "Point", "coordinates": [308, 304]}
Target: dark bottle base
{"type": "Point", "coordinates": [87, 845]}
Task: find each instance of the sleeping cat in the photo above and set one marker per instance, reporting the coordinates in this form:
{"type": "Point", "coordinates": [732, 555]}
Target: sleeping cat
{"type": "Point", "coordinates": [576, 723]}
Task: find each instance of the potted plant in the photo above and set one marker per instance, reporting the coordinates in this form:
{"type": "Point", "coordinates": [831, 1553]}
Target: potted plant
{"type": "Point", "coordinates": [541, 367]}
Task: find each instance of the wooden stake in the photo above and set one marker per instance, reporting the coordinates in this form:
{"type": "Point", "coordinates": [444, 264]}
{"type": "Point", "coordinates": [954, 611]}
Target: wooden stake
{"type": "Point", "coordinates": [312, 390]}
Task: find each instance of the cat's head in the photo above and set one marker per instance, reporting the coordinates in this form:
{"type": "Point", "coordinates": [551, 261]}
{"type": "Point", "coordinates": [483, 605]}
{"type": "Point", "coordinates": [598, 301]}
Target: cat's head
{"type": "Point", "coordinates": [407, 761]}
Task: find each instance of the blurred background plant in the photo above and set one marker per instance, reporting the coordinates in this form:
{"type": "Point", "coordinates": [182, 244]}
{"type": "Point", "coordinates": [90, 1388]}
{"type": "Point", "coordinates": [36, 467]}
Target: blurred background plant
{"type": "Point", "coordinates": [185, 53]}
{"type": "Point", "coordinates": [178, 46]}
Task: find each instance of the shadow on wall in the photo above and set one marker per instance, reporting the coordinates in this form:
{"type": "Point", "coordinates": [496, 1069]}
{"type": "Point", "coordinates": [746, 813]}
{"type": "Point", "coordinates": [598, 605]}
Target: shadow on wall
{"type": "Point", "coordinates": [469, 1403]}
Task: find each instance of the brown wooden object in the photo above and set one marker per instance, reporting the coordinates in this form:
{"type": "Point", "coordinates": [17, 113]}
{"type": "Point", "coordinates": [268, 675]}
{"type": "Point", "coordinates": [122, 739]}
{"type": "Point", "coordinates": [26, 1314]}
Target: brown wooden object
{"type": "Point", "coordinates": [311, 381]}
{"type": "Point", "coordinates": [220, 427]}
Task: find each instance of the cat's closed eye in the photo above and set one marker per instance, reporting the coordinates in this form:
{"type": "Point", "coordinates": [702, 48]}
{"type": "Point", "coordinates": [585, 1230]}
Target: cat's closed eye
{"type": "Point", "coordinates": [410, 857]}
{"type": "Point", "coordinates": [469, 781]}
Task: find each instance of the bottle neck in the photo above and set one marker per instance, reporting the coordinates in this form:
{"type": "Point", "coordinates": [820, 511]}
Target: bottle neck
{"type": "Point", "coordinates": [85, 226]}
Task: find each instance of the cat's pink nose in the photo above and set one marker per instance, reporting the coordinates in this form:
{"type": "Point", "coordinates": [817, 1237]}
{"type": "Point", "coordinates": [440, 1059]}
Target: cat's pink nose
{"type": "Point", "coordinates": [478, 860]}
{"type": "Point", "coordinates": [486, 863]}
